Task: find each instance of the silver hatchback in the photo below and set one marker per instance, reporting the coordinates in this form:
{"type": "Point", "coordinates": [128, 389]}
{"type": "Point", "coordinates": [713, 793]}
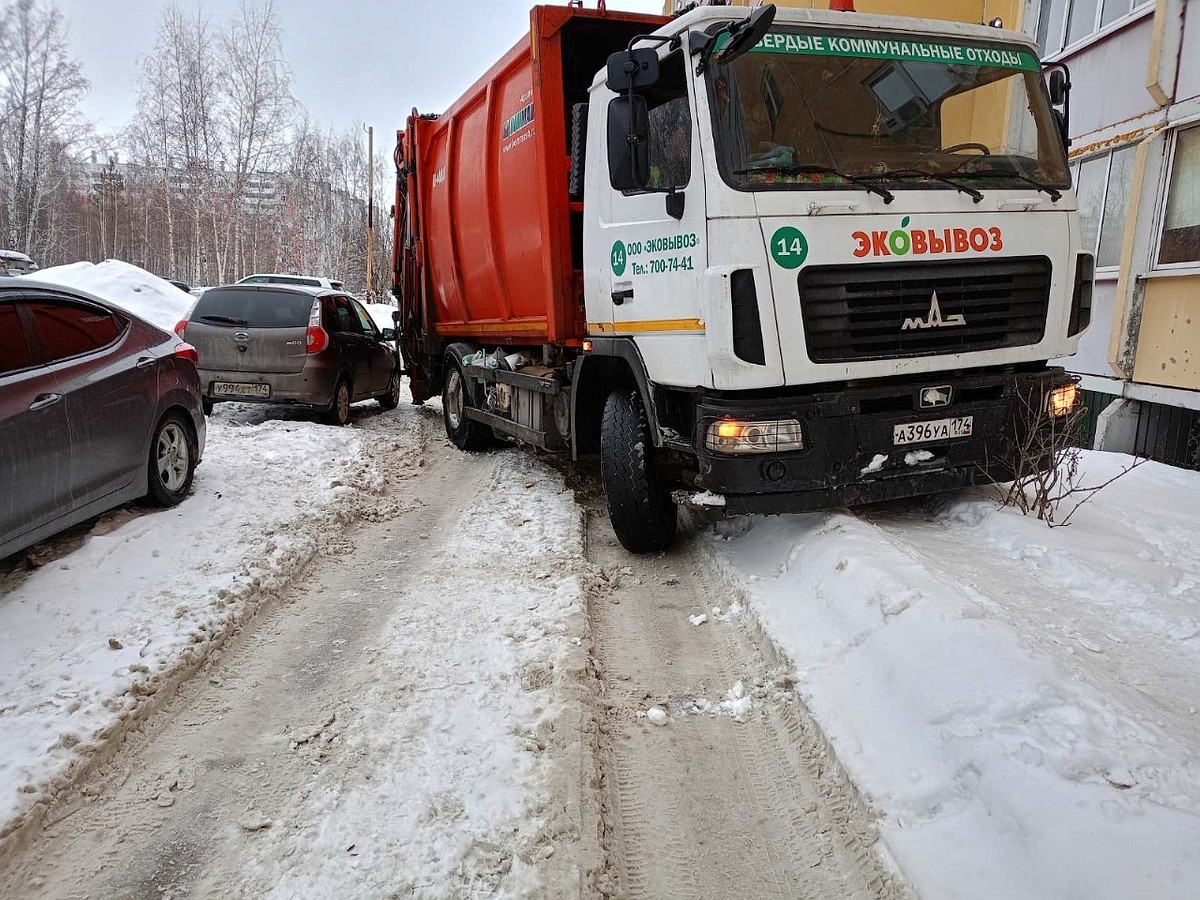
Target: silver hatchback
{"type": "Point", "coordinates": [274, 343]}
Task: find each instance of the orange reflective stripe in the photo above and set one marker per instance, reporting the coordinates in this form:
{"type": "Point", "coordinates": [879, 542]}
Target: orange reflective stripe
{"type": "Point", "coordinates": [644, 326]}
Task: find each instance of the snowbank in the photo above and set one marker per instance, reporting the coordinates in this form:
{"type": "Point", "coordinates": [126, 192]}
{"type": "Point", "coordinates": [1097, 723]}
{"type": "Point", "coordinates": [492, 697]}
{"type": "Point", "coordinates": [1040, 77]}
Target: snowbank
{"type": "Point", "coordinates": [86, 639]}
{"type": "Point", "coordinates": [1019, 703]}
{"type": "Point", "coordinates": [134, 290]}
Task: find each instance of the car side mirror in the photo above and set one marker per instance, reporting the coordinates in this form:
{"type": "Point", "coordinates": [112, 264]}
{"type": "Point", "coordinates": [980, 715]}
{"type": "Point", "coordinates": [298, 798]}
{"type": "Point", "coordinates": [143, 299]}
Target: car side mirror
{"type": "Point", "coordinates": [628, 143]}
{"type": "Point", "coordinates": [388, 334]}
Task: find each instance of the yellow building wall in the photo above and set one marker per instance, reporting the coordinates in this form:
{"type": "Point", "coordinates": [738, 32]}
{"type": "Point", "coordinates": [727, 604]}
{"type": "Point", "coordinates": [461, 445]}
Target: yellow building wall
{"type": "Point", "coordinates": [1168, 348]}
{"type": "Point", "coordinates": [974, 12]}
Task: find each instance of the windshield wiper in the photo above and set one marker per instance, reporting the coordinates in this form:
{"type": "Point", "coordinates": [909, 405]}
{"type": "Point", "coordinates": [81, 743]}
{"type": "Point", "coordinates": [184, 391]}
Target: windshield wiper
{"type": "Point", "coordinates": [865, 183]}
{"type": "Point", "coordinates": [1055, 194]}
{"type": "Point", "coordinates": [975, 195]}
{"type": "Point", "coordinates": [224, 320]}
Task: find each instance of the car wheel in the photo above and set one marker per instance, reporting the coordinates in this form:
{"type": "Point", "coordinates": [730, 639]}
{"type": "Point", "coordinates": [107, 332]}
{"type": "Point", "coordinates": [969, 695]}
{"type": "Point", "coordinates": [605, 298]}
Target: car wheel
{"type": "Point", "coordinates": [464, 433]}
{"type": "Point", "coordinates": [339, 410]}
{"type": "Point", "coordinates": [391, 399]}
{"type": "Point", "coordinates": [172, 463]}
{"type": "Point", "coordinates": [639, 502]}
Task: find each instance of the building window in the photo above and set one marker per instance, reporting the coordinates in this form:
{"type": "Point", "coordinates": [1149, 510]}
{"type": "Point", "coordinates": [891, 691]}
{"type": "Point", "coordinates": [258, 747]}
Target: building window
{"type": "Point", "coordinates": [1102, 188]}
{"type": "Point", "coordinates": [1180, 242]}
{"type": "Point", "coordinates": [1062, 23]}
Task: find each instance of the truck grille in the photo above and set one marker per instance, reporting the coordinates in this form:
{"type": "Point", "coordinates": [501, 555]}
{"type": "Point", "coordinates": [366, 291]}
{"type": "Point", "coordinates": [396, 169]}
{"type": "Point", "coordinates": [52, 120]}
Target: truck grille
{"type": "Point", "coordinates": [885, 310]}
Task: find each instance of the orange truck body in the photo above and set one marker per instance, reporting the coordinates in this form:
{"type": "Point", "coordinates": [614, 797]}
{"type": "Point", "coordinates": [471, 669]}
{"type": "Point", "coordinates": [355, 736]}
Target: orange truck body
{"type": "Point", "coordinates": [493, 249]}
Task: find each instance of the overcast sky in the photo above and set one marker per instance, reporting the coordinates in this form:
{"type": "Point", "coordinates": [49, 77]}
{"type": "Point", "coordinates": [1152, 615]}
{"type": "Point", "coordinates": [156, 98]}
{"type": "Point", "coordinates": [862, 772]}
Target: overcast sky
{"type": "Point", "coordinates": [352, 61]}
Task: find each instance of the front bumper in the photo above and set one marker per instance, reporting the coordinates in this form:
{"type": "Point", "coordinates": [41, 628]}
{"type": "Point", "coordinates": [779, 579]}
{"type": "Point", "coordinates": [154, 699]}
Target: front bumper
{"type": "Point", "coordinates": [845, 431]}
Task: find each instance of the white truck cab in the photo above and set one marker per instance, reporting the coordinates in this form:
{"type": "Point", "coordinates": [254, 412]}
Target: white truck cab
{"type": "Point", "coordinates": [841, 248]}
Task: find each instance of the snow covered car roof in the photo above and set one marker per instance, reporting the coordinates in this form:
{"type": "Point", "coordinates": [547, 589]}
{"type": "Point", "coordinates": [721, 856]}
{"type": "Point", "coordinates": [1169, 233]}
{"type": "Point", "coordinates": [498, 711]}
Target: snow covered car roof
{"type": "Point", "coordinates": [134, 290]}
{"type": "Point", "coordinates": [13, 262]}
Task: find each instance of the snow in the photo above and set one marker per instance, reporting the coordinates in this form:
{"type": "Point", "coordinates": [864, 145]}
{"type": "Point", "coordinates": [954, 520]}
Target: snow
{"type": "Point", "coordinates": [657, 715]}
{"type": "Point", "coordinates": [1016, 702]}
{"type": "Point", "coordinates": [87, 639]}
{"type": "Point", "coordinates": [132, 289]}
{"type": "Point", "coordinates": [457, 738]}
{"type": "Point", "coordinates": [875, 465]}
{"type": "Point", "coordinates": [381, 314]}
{"type": "Point", "coordinates": [698, 620]}
{"type": "Point", "coordinates": [707, 498]}
{"type": "Point", "coordinates": [736, 703]}
{"type": "Point", "coordinates": [916, 457]}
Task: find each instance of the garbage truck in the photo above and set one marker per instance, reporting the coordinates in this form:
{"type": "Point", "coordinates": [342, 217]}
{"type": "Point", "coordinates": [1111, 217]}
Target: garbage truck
{"type": "Point", "coordinates": [771, 260]}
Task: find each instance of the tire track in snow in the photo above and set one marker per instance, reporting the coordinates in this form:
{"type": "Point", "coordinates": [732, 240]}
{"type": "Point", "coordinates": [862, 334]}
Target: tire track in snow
{"type": "Point", "coordinates": [709, 805]}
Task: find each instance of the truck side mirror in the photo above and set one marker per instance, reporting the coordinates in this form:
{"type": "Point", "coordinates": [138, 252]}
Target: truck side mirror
{"type": "Point", "coordinates": [745, 35]}
{"type": "Point", "coordinates": [1058, 87]}
{"type": "Point", "coordinates": [631, 69]}
{"type": "Point", "coordinates": [1058, 91]}
{"type": "Point", "coordinates": [628, 143]}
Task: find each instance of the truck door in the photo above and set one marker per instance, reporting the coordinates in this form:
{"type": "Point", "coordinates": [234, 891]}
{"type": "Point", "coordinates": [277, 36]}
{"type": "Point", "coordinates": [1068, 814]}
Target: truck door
{"type": "Point", "coordinates": [652, 261]}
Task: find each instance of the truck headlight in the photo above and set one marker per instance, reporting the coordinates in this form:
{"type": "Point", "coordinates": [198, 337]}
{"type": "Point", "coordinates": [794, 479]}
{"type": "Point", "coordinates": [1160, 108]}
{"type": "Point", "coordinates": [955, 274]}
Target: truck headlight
{"type": "Point", "coordinates": [1061, 400]}
{"type": "Point", "coordinates": [773, 436]}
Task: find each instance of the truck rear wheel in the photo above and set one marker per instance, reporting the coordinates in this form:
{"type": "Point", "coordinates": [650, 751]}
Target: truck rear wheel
{"type": "Point", "coordinates": [464, 433]}
{"type": "Point", "coordinates": [639, 503]}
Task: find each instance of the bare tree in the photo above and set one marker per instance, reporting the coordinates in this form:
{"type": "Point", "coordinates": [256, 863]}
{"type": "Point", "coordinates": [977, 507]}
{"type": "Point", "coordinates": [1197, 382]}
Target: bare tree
{"type": "Point", "coordinates": [40, 89]}
{"type": "Point", "coordinates": [1047, 461]}
{"type": "Point", "coordinates": [257, 112]}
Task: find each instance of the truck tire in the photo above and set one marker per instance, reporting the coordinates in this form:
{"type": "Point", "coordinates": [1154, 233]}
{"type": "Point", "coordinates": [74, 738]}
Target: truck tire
{"type": "Point", "coordinates": [639, 503]}
{"type": "Point", "coordinates": [465, 434]}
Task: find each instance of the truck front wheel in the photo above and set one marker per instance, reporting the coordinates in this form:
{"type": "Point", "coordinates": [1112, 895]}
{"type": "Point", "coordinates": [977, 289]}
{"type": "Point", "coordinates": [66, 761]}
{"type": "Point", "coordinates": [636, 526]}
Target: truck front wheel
{"type": "Point", "coordinates": [639, 503]}
{"type": "Point", "coordinates": [464, 433]}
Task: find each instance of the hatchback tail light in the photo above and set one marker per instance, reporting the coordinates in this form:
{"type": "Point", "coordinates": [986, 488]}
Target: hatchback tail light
{"type": "Point", "coordinates": [317, 338]}
{"type": "Point", "coordinates": [187, 351]}
{"type": "Point", "coordinates": [181, 326]}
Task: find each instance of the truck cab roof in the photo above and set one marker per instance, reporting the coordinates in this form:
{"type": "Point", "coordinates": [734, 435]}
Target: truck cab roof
{"type": "Point", "coordinates": [702, 16]}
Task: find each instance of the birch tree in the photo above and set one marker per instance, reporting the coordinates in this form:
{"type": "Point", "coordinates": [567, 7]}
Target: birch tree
{"type": "Point", "coordinates": [258, 111]}
{"type": "Point", "coordinates": [40, 89]}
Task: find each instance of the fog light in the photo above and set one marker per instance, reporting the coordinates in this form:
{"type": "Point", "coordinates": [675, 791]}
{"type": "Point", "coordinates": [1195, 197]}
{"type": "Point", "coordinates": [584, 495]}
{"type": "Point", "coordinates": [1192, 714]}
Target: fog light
{"type": "Point", "coordinates": [774, 436]}
{"type": "Point", "coordinates": [1061, 400]}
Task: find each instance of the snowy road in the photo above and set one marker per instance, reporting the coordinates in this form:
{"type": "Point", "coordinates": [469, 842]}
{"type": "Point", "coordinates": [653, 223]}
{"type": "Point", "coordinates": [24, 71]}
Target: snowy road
{"type": "Point", "coordinates": [471, 690]}
{"type": "Point", "coordinates": [452, 702]}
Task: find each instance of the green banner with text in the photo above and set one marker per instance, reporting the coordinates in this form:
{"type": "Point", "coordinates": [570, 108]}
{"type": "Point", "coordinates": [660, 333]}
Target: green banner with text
{"type": "Point", "coordinates": [894, 48]}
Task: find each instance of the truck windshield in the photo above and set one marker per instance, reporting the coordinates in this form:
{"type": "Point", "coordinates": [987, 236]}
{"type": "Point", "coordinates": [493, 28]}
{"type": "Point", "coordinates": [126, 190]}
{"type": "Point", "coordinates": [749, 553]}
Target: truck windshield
{"type": "Point", "coordinates": [901, 112]}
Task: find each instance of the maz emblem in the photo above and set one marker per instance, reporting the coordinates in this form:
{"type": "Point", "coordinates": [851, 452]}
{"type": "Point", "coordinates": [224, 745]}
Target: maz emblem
{"type": "Point", "coordinates": [934, 319]}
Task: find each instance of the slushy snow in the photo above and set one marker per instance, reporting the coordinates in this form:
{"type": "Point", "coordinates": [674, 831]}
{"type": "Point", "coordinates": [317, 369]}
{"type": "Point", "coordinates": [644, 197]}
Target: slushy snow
{"type": "Point", "coordinates": [875, 465]}
{"type": "Point", "coordinates": [87, 637]}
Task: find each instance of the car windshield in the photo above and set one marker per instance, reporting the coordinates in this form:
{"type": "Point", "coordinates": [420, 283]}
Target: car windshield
{"type": "Point", "coordinates": [253, 308]}
{"type": "Point", "coordinates": [886, 108]}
